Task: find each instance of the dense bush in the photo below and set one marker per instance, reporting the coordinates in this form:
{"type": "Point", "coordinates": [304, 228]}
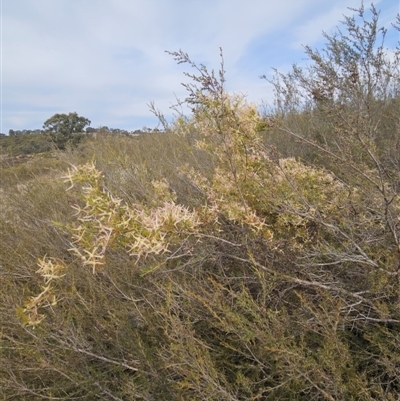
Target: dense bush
{"type": "Point", "coordinates": [24, 144]}
{"type": "Point", "coordinates": [236, 256]}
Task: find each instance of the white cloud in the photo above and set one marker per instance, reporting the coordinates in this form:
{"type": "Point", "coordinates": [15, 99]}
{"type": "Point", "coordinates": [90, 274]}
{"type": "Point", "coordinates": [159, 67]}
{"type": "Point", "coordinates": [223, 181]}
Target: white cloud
{"type": "Point", "coordinates": [309, 32]}
{"type": "Point", "coordinates": [107, 60]}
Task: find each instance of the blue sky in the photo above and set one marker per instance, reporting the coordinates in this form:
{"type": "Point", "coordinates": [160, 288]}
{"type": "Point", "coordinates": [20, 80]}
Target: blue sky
{"type": "Point", "coordinates": [106, 60]}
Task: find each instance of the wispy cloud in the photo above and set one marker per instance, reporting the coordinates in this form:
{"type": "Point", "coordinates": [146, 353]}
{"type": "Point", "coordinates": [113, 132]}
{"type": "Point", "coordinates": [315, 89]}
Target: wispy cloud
{"type": "Point", "coordinates": [107, 61]}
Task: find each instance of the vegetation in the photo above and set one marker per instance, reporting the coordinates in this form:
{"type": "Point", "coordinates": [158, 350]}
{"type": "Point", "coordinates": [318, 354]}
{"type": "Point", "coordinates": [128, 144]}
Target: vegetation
{"type": "Point", "coordinates": [65, 128]}
{"type": "Point", "coordinates": [59, 131]}
{"type": "Point", "coordinates": [15, 145]}
{"type": "Point", "coordinates": [28, 142]}
{"type": "Point", "coordinates": [235, 256]}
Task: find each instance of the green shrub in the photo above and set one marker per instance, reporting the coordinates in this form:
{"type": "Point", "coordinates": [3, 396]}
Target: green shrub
{"type": "Point", "coordinates": [211, 267]}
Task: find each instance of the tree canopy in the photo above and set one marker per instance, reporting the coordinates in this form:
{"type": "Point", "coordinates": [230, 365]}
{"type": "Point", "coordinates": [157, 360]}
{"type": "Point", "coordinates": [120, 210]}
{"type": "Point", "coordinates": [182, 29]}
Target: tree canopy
{"type": "Point", "coordinates": [65, 128]}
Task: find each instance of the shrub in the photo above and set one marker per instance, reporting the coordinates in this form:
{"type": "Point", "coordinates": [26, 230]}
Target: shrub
{"type": "Point", "coordinates": [277, 278]}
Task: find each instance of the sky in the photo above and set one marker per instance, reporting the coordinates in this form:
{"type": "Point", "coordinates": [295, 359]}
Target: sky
{"type": "Point", "coordinates": [107, 60]}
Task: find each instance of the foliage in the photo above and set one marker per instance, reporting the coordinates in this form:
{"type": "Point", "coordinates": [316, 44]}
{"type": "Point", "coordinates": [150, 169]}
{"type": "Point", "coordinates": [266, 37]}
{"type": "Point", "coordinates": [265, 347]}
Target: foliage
{"type": "Point", "coordinates": [214, 267]}
{"type": "Point", "coordinates": [24, 144]}
{"type": "Point", "coordinates": [65, 128]}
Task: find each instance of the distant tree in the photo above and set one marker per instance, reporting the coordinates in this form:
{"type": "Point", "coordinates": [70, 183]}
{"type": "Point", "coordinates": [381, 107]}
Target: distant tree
{"type": "Point", "coordinates": [90, 130]}
{"type": "Point", "coordinates": [65, 128]}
